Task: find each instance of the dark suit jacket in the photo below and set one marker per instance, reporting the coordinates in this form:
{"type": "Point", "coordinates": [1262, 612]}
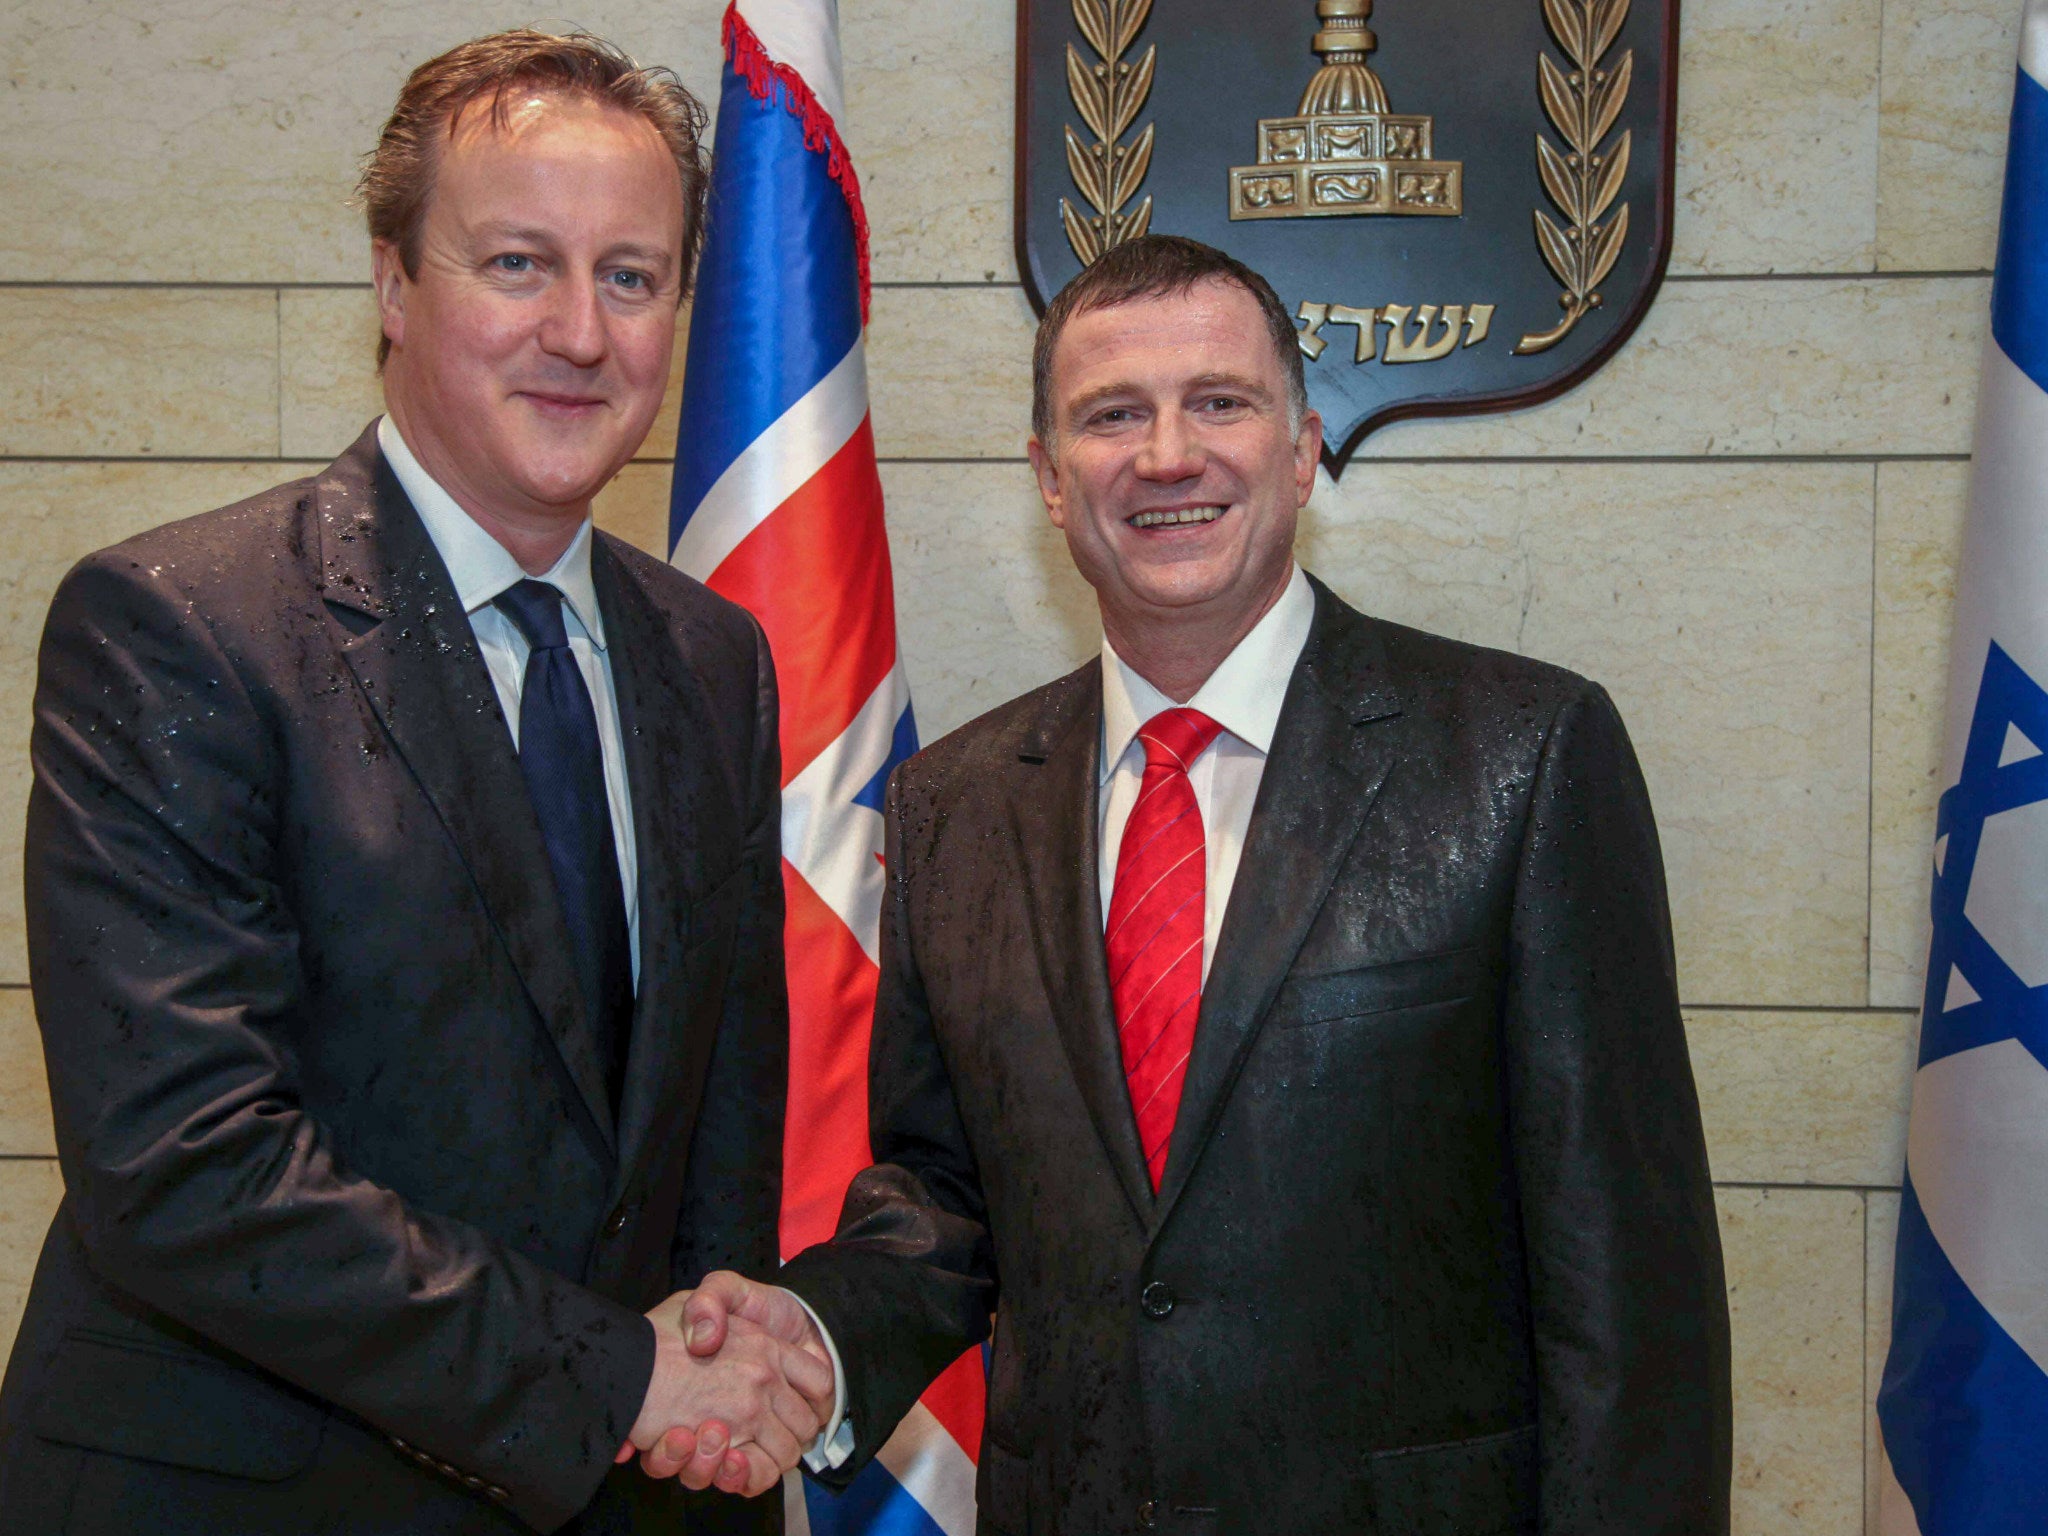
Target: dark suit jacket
{"type": "Point", "coordinates": [1435, 1252]}
{"type": "Point", "coordinates": [351, 1239]}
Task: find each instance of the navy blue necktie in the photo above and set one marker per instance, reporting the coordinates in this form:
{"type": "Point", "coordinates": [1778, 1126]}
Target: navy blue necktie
{"type": "Point", "coordinates": [563, 760]}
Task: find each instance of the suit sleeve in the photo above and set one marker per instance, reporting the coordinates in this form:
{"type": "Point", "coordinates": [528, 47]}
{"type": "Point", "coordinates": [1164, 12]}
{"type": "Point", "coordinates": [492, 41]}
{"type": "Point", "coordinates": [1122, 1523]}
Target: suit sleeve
{"type": "Point", "coordinates": [908, 1283]}
{"type": "Point", "coordinates": [1628, 1304]}
{"type": "Point", "coordinates": [166, 975]}
{"type": "Point", "coordinates": [732, 1195]}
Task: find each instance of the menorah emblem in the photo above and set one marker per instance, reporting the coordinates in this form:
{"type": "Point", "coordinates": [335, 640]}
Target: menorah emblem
{"type": "Point", "coordinates": [1344, 152]}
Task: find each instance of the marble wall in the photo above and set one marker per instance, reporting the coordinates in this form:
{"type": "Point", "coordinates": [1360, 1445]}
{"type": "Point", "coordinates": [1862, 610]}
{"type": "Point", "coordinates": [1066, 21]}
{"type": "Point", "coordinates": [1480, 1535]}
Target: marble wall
{"type": "Point", "coordinates": [1745, 526]}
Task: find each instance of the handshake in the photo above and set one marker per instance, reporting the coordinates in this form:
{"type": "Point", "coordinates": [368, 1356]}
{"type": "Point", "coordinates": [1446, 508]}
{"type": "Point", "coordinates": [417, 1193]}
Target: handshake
{"type": "Point", "coordinates": [743, 1383]}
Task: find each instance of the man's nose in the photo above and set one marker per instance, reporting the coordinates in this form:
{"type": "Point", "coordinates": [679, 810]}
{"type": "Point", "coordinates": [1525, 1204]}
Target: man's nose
{"type": "Point", "coordinates": [573, 327]}
{"type": "Point", "coordinates": [1172, 450]}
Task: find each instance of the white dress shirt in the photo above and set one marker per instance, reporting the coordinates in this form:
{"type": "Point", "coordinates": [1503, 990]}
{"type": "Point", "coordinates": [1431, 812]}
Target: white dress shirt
{"type": "Point", "coordinates": [1243, 695]}
{"type": "Point", "coordinates": [482, 569]}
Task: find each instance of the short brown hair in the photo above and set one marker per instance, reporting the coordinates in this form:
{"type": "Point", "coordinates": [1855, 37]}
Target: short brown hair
{"type": "Point", "coordinates": [1151, 267]}
{"type": "Point", "coordinates": [398, 175]}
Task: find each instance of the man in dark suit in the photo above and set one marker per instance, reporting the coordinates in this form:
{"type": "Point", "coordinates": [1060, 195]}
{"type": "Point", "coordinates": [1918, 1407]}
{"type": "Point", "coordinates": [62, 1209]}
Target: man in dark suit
{"type": "Point", "coordinates": [1277, 1031]}
{"type": "Point", "coordinates": [405, 912]}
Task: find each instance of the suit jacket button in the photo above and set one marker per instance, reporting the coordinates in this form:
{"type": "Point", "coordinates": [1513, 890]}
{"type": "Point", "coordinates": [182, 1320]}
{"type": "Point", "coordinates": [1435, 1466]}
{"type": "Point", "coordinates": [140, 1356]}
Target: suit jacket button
{"type": "Point", "coordinates": [615, 1223]}
{"type": "Point", "coordinates": [1158, 1300]}
{"type": "Point", "coordinates": [1148, 1514]}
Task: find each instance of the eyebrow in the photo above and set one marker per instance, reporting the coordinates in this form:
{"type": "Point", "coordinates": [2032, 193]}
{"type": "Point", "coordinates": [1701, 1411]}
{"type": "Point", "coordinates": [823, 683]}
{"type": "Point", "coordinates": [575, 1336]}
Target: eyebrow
{"type": "Point", "coordinates": [648, 255]}
{"type": "Point", "coordinates": [1236, 383]}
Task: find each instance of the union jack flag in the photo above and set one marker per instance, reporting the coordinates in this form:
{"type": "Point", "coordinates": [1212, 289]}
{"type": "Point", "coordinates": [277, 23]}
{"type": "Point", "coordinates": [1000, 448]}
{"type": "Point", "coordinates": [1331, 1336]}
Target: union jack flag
{"type": "Point", "coordinates": [777, 504]}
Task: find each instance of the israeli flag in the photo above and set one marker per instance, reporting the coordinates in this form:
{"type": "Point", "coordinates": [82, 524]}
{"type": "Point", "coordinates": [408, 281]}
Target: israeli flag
{"type": "Point", "coordinates": [1964, 1403]}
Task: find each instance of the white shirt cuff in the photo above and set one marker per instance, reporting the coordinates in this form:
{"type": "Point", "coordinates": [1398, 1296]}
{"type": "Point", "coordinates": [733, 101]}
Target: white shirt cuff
{"type": "Point", "coordinates": [835, 1441]}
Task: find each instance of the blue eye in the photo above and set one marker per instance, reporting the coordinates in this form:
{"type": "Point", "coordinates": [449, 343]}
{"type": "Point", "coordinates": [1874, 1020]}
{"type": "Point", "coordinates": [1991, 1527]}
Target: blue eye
{"type": "Point", "coordinates": [630, 279]}
{"type": "Point", "coordinates": [512, 261]}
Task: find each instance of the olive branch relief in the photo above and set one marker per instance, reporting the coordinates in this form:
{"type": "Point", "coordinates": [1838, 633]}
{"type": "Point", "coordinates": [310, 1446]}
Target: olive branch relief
{"type": "Point", "coordinates": [1108, 94]}
{"type": "Point", "coordinates": [1584, 179]}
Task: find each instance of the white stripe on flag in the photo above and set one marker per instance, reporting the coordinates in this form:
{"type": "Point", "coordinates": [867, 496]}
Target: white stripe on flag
{"type": "Point", "coordinates": [1998, 588]}
{"type": "Point", "coordinates": [2034, 43]}
{"type": "Point", "coordinates": [933, 1470]}
{"type": "Point", "coordinates": [774, 466]}
{"type": "Point", "coordinates": [804, 34]}
{"type": "Point", "coordinates": [1977, 1148]}
{"type": "Point", "coordinates": [832, 842]}
{"type": "Point", "coordinates": [796, 1514]}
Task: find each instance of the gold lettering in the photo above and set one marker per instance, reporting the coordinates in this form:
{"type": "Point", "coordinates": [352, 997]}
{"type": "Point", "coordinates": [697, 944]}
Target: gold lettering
{"type": "Point", "coordinates": [1422, 350]}
{"type": "Point", "coordinates": [1474, 320]}
{"type": "Point", "coordinates": [1313, 317]}
{"type": "Point", "coordinates": [1366, 320]}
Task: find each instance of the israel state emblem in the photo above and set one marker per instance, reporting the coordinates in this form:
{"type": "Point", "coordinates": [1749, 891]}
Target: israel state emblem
{"type": "Point", "coordinates": [1467, 209]}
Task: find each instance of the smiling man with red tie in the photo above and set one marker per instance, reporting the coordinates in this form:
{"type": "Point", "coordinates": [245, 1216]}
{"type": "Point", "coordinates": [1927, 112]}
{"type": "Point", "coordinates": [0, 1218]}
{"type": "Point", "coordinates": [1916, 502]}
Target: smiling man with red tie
{"type": "Point", "coordinates": [1278, 1030]}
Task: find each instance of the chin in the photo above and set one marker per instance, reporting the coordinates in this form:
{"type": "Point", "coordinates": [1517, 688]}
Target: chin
{"type": "Point", "coordinates": [1178, 584]}
{"type": "Point", "coordinates": [561, 481]}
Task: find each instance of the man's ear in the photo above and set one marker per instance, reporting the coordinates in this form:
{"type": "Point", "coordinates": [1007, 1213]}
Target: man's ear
{"type": "Point", "coordinates": [1048, 473]}
{"type": "Point", "coordinates": [1308, 451]}
{"type": "Point", "coordinates": [387, 272]}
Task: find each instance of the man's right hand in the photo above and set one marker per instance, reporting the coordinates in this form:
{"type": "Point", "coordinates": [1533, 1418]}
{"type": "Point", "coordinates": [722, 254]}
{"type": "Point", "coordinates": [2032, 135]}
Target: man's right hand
{"type": "Point", "coordinates": [737, 1421]}
{"type": "Point", "coordinates": [776, 1312]}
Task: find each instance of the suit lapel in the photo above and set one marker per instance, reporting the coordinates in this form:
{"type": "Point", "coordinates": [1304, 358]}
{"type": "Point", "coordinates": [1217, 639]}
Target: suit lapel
{"type": "Point", "coordinates": [664, 728]}
{"type": "Point", "coordinates": [1328, 762]}
{"type": "Point", "coordinates": [419, 667]}
{"type": "Point", "coordinates": [1054, 821]}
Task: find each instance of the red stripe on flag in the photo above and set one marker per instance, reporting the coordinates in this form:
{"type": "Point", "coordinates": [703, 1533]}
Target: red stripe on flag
{"type": "Point", "coordinates": [958, 1400]}
{"type": "Point", "coordinates": [831, 1013]}
{"type": "Point", "coordinates": [816, 574]}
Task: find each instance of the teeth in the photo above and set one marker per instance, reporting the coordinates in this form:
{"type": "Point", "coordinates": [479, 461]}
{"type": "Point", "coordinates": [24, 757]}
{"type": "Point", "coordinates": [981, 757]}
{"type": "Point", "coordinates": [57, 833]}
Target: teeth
{"type": "Point", "coordinates": [1186, 515]}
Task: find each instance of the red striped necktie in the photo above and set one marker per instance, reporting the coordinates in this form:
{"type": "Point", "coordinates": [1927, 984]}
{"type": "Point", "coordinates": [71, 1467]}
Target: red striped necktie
{"type": "Point", "coordinates": [1154, 931]}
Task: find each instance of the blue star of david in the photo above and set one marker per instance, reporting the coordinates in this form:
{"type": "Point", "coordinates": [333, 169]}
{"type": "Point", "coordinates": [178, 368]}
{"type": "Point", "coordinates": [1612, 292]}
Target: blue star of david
{"type": "Point", "coordinates": [2006, 1007]}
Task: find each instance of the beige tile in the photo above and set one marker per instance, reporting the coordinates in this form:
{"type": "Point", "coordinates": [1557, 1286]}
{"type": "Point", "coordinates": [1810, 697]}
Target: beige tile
{"type": "Point", "coordinates": [1881, 1240]}
{"type": "Point", "coordinates": [29, 1192]}
{"type": "Point", "coordinates": [1804, 1098]}
{"type": "Point", "coordinates": [219, 142]}
{"type": "Point", "coordinates": [249, 178]}
{"type": "Point", "coordinates": [1795, 1304]}
{"type": "Point", "coordinates": [24, 1089]}
{"type": "Point", "coordinates": [1767, 367]}
{"type": "Point", "coordinates": [329, 383]}
{"type": "Point", "coordinates": [327, 369]}
{"type": "Point", "coordinates": [1919, 539]}
{"type": "Point", "coordinates": [55, 514]}
{"type": "Point", "coordinates": [1774, 366]}
{"type": "Point", "coordinates": [1777, 136]}
{"type": "Point", "coordinates": [949, 372]}
{"type": "Point", "coordinates": [635, 507]}
{"type": "Point", "coordinates": [1726, 607]}
{"type": "Point", "coordinates": [931, 87]}
{"type": "Point", "coordinates": [987, 602]}
{"type": "Point", "coordinates": [1948, 81]}
{"type": "Point", "coordinates": [117, 371]}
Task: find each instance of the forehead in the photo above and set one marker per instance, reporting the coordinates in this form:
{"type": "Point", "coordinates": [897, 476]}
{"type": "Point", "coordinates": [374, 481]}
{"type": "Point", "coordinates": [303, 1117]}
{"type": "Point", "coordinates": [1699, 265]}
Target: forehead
{"type": "Point", "coordinates": [557, 154]}
{"type": "Point", "coordinates": [1156, 341]}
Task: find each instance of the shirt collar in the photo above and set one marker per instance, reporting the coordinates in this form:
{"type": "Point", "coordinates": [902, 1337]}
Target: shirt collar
{"type": "Point", "coordinates": [1240, 695]}
{"type": "Point", "coordinates": [483, 568]}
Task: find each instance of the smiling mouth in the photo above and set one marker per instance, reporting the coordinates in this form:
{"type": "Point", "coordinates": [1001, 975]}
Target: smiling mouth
{"type": "Point", "coordinates": [1177, 517]}
{"type": "Point", "coordinates": [562, 402]}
